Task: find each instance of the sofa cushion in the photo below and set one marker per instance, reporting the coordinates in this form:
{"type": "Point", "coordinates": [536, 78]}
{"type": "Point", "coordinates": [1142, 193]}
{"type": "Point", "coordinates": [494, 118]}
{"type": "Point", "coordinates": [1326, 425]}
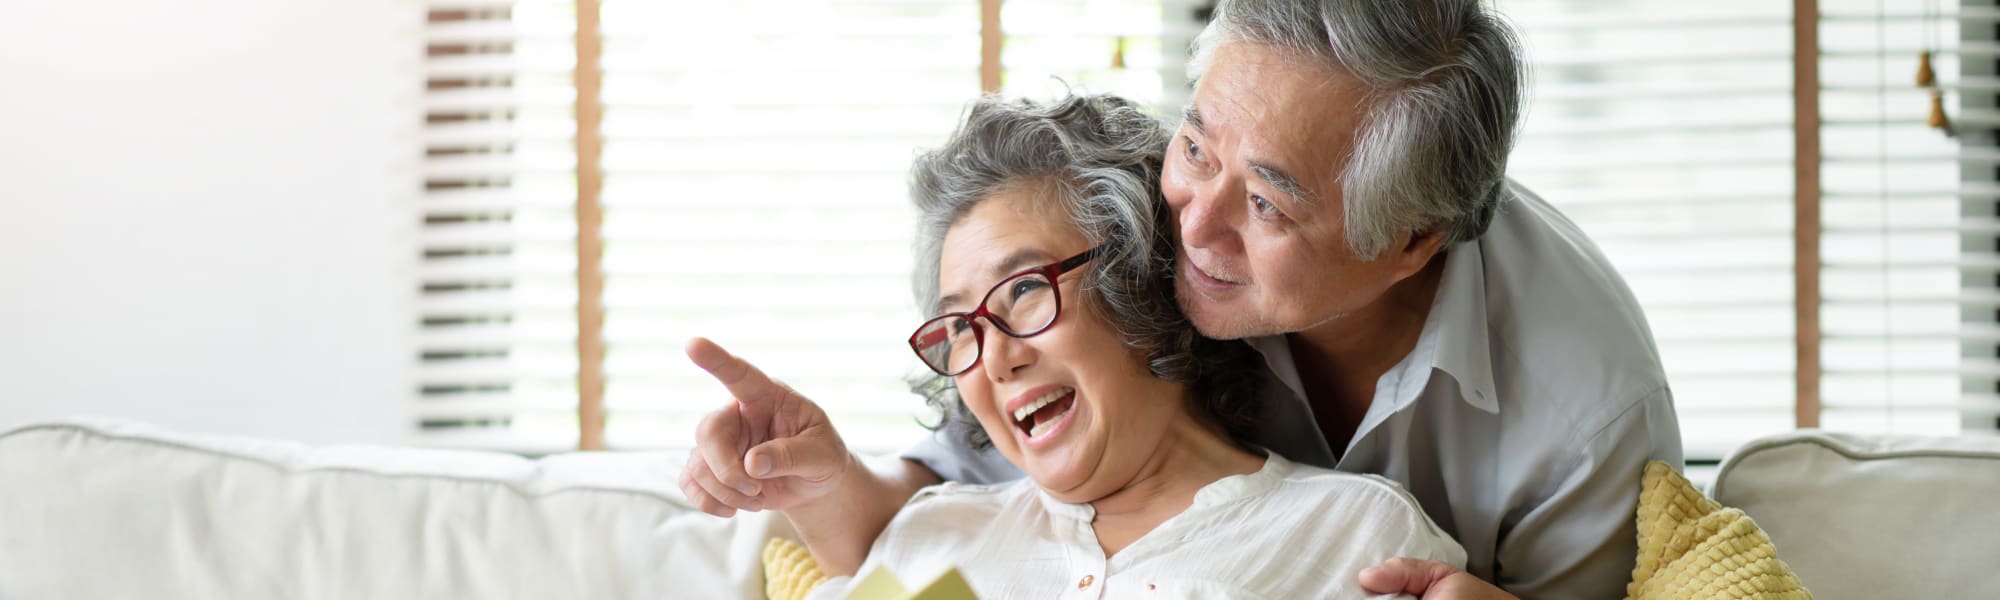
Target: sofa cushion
{"type": "Point", "coordinates": [107, 509]}
{"type": "Point", "coordinates": [1874, 516]}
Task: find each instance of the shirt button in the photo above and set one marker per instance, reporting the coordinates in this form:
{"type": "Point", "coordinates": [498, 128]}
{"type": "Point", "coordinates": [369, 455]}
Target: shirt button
{"type": "Point", "coordinates": [1085, 582]}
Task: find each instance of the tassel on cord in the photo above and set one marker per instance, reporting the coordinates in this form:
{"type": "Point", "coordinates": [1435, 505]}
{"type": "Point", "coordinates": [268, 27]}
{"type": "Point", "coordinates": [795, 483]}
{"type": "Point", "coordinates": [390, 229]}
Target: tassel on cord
{"type": "Point", "coordinates": [1938, 120]}
{"type": "Point", "coordinates": [1925, 76]}
{"type": "Point", "coordinates": [1118, 53]}
{"type": "Point", "coordinates": [1927, 79]}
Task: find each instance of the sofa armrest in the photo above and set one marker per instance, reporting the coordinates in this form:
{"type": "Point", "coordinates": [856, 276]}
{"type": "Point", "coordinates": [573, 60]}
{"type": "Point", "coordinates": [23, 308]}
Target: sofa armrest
{"type": "Point", "coordinates": [1874, 516]}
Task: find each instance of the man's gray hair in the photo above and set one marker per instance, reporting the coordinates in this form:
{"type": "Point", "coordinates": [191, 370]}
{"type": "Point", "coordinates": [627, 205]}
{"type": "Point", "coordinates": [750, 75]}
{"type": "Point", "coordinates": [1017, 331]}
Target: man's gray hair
{"type": "Point", "coordinates": [1444, 80]}
{"type": "Point", "coordinates": [1098, 158]}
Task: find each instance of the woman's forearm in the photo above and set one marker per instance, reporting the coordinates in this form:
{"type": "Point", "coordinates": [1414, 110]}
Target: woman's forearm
{"type": "Point", "coordinates": [839, 527]}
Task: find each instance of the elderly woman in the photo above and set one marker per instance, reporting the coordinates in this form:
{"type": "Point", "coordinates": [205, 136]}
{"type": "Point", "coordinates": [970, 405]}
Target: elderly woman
{"type": "Point", "coordinates": [1045, 256]}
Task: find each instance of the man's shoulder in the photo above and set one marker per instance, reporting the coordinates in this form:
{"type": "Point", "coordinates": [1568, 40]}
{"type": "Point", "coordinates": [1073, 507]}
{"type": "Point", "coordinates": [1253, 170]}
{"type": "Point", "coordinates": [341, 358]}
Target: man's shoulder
{"type": "Point", "coordinates": [1538, 265]}
{"type": "Point", "coordinates": [1564, 325]}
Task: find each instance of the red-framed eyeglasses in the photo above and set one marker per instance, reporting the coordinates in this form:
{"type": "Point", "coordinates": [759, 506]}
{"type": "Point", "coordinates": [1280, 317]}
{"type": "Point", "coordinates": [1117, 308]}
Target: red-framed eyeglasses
{"type": "Point", "coordinates": [1024, 304]}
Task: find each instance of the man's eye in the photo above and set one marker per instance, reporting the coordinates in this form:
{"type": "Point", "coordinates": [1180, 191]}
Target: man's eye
{"type": "Point", "coordinates": [1265, 208]}
{"type": "Point", "coordinates": [1193, 149]}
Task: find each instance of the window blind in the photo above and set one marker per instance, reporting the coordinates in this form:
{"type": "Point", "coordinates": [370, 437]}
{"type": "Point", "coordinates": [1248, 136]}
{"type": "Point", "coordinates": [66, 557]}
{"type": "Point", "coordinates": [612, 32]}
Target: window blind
{"type": "Point", "coordinates": [1909, 264]}
{"type": "Point", "coordinates": [1104, 47]}
{"type": "Point", "coordinates": [754, 168]}
{"type": "Point", "coordinates": [1974, 90]}
{"type": "Point", "coordinates": [1664, 130]}
{"type": "Point", "coordinates": [755, 165]}
{"type": "Point", "coordinates": [496, 301]}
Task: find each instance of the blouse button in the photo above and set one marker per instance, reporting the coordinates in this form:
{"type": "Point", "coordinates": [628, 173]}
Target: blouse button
{"type": "Point", "coordinates": [1085, 582]}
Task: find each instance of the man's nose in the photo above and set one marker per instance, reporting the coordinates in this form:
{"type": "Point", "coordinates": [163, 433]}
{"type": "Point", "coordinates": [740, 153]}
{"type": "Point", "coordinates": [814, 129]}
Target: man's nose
{"type": "Point", "coordinates": [1204, 217]}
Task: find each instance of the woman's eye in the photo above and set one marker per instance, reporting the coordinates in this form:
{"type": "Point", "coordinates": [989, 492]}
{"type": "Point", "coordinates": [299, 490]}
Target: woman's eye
{"type": "Point", "coordinates": [1024, 287]}
{"type": "Point", "coordinates": [959, 327]}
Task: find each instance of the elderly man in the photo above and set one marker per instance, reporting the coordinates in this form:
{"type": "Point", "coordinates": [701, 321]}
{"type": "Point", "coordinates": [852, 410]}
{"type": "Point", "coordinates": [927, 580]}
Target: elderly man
{"type": "Point", "coordinates": [1339, 183]}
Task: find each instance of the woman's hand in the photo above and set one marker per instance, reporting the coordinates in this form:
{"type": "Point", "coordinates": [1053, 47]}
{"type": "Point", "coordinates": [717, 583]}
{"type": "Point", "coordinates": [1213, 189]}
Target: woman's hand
{"type": "Point", "coordinates": [769, 449]}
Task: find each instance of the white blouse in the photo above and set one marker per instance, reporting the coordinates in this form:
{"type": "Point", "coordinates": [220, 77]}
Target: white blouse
{"type": "Point", "coordinates": [1285, 531]}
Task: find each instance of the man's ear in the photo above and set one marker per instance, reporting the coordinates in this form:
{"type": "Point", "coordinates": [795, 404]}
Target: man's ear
{"type": "Point", "coordinates": [1416, 251]}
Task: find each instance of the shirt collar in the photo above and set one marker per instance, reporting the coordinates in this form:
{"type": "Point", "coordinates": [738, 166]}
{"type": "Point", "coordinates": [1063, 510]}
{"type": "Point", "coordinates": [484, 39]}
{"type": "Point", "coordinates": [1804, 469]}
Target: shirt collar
{"type": "Point", "coordinates": [1216, 493]}
{"type": "Point", "coordinates": [1457, 323]}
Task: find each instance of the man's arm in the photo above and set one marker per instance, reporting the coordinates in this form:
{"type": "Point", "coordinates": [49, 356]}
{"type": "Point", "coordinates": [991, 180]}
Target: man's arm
{"type": "Point", "coordinates": [1581, 541]}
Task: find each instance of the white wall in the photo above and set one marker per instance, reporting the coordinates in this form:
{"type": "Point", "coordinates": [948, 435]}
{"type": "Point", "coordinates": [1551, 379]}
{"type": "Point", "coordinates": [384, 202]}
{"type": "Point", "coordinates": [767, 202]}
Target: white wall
{"type": "Point", "coordinates": [205, 213]}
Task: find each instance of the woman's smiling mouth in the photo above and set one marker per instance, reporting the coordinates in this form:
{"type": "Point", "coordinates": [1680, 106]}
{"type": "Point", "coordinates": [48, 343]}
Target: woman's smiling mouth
{"type": "Point", "coordinates": [1037, 415]}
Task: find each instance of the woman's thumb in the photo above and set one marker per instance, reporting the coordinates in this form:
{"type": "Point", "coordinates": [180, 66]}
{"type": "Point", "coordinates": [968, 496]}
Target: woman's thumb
{"type": "Point", "coordinates": [804, 456]}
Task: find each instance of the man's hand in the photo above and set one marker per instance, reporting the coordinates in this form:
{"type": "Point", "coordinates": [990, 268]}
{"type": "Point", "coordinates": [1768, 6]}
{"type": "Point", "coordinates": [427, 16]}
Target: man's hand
{"type": "Point", "coordinates": [1428, 579]}
{"type": "Point", "coordinates": [769, 449]}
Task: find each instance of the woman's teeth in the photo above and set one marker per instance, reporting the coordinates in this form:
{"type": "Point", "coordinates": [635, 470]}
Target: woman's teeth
{"type": "Point", "coordinates": [1027, 410]}
{"type": "Point", "coordinates": [1041, 428]}
{"type": "Point", "coordinates": [1034, 426]}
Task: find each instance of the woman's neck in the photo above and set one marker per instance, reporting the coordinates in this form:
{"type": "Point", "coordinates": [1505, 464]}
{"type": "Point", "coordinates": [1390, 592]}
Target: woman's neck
{"type": "Point", "coordinates": [1189, 457]}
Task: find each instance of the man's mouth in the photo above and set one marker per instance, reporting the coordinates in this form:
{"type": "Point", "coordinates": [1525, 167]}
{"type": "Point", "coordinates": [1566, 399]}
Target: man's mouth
{"type": "Point", "coordinates": [1038, 416]}
{"type": "Point", "coordinates": [1207, 276]}
{"type": "Point", "coordinates": [1205, 279]}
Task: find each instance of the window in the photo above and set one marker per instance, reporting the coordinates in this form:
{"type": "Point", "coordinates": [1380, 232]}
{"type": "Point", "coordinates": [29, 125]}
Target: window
{"type": "Point", "coordinates": [753, 161]}
{"type": "Point", "coordinates": [1664, 130]}
{"type": "Point", "coordinates": [497, 361]}
{"type": "Point", "coordinates": [1904, 244]}
{"type": "Point", "coordinates": [753, 158]}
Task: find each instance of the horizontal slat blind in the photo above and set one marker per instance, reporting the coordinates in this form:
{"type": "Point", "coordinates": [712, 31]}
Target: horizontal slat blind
{"type": "Point", "coordinates": [1893, 219]}
{"type": "Point", "coordinates": [755, 164]}
{"type": "Point", "coordinates": [496, 358]}
{"type": "Point", "coordinates": [1094, 46]}
{"type": "Point", "coordinates": [1974, 91]}
{"type": "Point", "coordinates": [1664, 130]}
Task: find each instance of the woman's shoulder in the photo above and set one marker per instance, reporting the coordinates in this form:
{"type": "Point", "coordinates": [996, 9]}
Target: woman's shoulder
{"type": "Point", "coordinates": [1341, 496]}
{"type": "Point", "coordinates": [963, 503]}
{"type": "Point", "coordinates": [1301, 478]}
{"type": "Point", "coordinates": [952, 493]}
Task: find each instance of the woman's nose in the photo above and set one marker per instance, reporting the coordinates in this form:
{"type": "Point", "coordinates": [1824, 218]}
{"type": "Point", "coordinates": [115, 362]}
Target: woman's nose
{"type": "Point", "coordinates": [1004, 355]}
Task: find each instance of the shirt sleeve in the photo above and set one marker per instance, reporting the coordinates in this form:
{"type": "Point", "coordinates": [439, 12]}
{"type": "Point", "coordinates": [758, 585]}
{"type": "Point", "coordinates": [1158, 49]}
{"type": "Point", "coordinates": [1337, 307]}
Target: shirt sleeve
{"type": "Point", "coordinates": [945, 453]}
{"type": "Point", "coordinates": [1388, 523]}
{"type": "Point", "coordinates": [1582, 541]}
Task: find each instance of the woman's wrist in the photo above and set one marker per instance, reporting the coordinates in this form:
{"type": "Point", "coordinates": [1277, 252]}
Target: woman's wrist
{"type": "Point", "coordinates": [839, 527]}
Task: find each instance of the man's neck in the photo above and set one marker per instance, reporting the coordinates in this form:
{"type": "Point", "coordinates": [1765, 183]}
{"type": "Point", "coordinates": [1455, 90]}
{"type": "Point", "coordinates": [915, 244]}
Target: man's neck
{"type": "Point", "coordinates": [1339, 361]}
{"type": "Point", "coordinates": [1188, 458]}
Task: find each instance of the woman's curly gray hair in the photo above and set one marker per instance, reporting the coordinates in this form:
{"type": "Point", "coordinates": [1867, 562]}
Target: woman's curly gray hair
{"type": "Point", "coordinates": [1102, 156]}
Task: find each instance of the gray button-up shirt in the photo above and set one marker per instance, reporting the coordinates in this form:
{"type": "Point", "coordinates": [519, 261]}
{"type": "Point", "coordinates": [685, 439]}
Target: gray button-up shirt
{"type": "Point", "coordinates": [1521, 421]}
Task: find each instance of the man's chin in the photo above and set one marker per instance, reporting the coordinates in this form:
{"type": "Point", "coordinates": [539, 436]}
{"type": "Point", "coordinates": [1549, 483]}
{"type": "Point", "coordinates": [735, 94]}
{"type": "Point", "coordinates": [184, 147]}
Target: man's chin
{"type": "Point", "coordinates": [1215, 319]}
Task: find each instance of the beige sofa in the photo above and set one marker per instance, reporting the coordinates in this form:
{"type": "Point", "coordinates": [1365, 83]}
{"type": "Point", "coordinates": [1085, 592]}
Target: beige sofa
{"type": "Point", "coordinates": [106, 509]}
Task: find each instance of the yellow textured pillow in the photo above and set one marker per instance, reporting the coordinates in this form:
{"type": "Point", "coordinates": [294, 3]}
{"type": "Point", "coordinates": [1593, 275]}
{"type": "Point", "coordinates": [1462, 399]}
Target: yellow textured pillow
{"type": "Point", "coordinates": [789, 571]}
{"type": "Point", "coordinates": [1691, 547]}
